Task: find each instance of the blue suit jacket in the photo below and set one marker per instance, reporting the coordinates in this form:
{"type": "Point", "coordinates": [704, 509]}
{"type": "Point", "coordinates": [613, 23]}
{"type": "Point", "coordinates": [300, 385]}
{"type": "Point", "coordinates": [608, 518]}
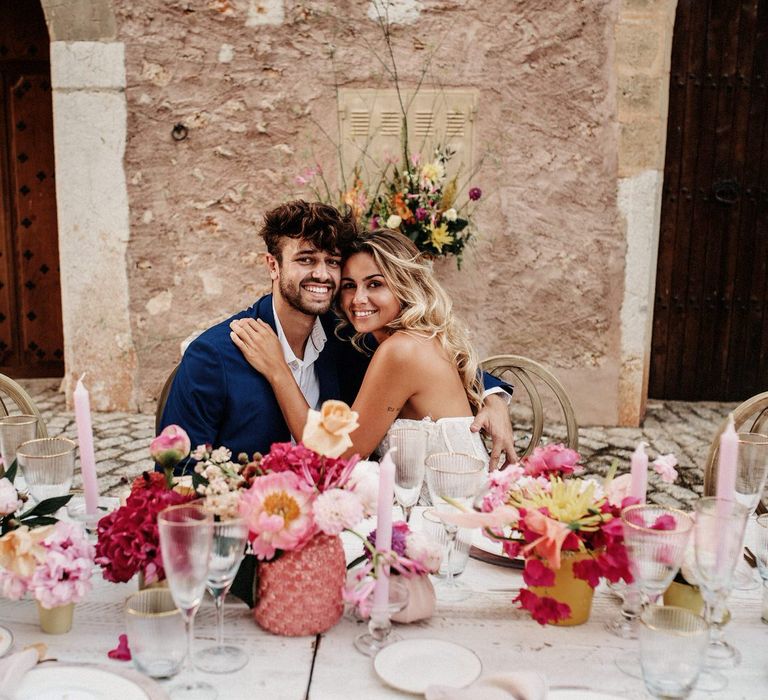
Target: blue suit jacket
{"type": "Point", "coordinates": [218, 398]}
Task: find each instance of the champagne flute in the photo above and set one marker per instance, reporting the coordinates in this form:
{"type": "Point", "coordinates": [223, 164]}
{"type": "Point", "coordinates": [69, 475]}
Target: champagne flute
{"type": "Point", "coordinates": [458, 477]}
{"type": "Point", "coordinates": [751, 472]}
{"type": "Point", "coordinates": [655, 538]}
{"type": "Point", "coordinates": [186, 538]}
{"type": "Point", "coordinates": [228, 549]}
{"type": "Point", "coordinates": [408, 453]}
{"type": "Point", "coordinates": [718, 538]}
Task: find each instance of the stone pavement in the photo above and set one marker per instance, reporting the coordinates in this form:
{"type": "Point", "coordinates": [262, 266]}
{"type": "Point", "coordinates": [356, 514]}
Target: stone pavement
{"type": "Point", "coordinates": [685, 429]}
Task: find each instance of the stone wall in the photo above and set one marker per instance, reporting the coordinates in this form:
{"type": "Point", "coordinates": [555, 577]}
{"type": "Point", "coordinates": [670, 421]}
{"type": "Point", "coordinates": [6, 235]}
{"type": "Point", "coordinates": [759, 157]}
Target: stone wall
{"type": "Point", "coordinates": [253, 84]}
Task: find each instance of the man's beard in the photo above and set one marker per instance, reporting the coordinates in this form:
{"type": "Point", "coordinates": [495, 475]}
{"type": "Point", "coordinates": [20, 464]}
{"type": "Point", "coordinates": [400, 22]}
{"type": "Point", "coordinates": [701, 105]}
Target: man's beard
{"type": "Point", "coordinates": [292, 294]}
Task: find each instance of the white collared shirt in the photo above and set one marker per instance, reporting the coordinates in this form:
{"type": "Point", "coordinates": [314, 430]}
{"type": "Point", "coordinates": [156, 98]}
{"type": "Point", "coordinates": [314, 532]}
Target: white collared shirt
{"type": "Point", "coordinates": [304, 371]}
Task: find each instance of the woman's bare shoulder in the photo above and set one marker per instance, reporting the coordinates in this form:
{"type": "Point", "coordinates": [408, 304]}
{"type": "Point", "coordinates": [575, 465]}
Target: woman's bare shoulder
{"type": "Point", "coordinates": [411, 349]}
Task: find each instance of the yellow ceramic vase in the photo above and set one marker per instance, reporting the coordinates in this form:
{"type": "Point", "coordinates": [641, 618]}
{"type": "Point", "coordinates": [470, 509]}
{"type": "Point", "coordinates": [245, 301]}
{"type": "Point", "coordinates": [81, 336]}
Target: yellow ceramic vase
{"type": "Point", "coordinates": [684, 595]}
{"type": "Point", "coordinates": [56, 620]}
{"type": "Point", "coordinates": [575, 592]}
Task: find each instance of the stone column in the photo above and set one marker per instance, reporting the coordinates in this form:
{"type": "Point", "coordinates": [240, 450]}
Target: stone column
{"type": "Point", "coordinates": [89, 109]}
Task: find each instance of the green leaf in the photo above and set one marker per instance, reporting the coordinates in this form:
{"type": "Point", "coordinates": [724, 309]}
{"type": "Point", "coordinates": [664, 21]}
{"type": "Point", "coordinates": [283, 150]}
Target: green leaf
{"type": "Point", "coordinates": [10, 473]}
{"type": "Point", "coordinates": [198, 480]}
{"type": "Point", "coordinates": [355, 562]}
{"type": "Point", "coordinates": [40, 520]}
{"type": "Point", "coordinates": [48, 506]}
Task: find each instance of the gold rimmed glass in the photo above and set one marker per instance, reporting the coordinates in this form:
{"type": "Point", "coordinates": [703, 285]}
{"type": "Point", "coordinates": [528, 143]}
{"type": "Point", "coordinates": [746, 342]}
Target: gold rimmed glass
{"type": "Point", "coordinates": [155, 632]}
{"type": "Point", "coordinates": [14, 430]}
{"type": "Point", "coordinates": [672, 644]}
{"type": "Point", "coordinates": [655, 538]}
{"type": "Point", "coordinates": [47, 465]}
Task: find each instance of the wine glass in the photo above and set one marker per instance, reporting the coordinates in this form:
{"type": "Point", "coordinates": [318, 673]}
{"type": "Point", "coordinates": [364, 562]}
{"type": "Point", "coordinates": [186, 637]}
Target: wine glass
{"type": "Point", "coordinates": [186, 539]}
{"type": "Point", "coordinates": [380, 626]}
{"type": "Point", "coordinates": [48, 465]}
{"type": "Point", "coordinates": [228, 549]}
{"type": "Point", "coordinates": [457, 477]}
{"type": "Point", "coordinates": [408, 453]}
{"type": "Point", "coordinates": [718, 537]}
{"type": "Point", "coordinates": [751, 472]}
{"type": "Point", "coordinates": [655, 538]}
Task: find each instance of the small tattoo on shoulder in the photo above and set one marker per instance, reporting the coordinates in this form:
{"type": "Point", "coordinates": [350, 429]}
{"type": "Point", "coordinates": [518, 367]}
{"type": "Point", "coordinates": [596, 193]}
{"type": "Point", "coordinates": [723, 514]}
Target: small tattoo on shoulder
{"type": "Point", "coordinates": [390, 409]}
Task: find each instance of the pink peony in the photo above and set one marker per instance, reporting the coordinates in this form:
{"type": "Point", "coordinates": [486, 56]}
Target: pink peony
{"type": "Point", "coordinates": [170, 447]}
{"type": "Point", "coordinates": [551, 460]}
{"type": "Point", "coordinates": [64, 574]}
{"type": "Point", "coordinates": [278, 510]}
{"type": "Point", "coordinates": [337, 510]}
{"type": "Point", "coordinates": [9, 497]}
{"type": "Point", "coordinates": [664, 466]}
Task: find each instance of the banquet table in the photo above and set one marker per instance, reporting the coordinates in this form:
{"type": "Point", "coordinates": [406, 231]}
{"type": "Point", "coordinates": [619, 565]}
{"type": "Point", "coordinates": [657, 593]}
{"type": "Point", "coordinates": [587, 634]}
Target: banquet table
{"type": "Point", "coordinates": [328, 666]}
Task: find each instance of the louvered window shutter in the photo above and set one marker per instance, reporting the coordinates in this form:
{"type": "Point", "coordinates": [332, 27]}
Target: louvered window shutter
{"type": "Point", "coordinates": [371, 125]}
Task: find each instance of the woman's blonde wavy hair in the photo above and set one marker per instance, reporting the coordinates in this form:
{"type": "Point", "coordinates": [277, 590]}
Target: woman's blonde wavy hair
{"type": "Point", "coordinates": [425, 307]}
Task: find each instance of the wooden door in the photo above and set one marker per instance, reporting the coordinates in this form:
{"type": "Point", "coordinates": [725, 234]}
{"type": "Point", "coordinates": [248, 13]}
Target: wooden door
{"type": "Point", "coordinates": [710, 325]}
{"type": "Point", "coordinates": [31, 338]}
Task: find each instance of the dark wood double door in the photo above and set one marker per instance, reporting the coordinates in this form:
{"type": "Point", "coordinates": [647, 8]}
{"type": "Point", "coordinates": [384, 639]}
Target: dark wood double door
{"type": "Point", "coordinates": [710, 325]}
{"type": "Point", "coordinates": [31, 341]}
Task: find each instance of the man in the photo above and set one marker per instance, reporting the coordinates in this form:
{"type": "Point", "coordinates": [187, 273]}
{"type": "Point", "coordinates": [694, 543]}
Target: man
{"type": "Point", "coordinates": [218, 398]}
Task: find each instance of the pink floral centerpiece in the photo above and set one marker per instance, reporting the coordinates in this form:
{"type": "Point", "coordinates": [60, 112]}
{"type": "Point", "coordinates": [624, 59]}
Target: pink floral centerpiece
{"type": "Point", "coordinates": [295, 509]}
{"type": "Point", "coordinates": [128, 542]}
{"type": "Point", "coordinates": [53, 563]}
{"type": "Point", "coordinates": [557, 522]}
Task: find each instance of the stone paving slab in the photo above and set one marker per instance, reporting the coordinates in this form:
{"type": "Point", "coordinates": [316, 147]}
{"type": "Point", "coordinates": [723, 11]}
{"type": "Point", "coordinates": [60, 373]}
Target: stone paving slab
{"type": "Point", "coordinates": [685, 429]}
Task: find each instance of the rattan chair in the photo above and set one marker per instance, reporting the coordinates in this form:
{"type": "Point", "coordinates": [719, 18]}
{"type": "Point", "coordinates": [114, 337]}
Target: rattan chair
{"type": "Point", "coordinates": [750, 416]}
{"type": "Point", "coordinates": [526, 373]}
{"type": "Point", "coordinates": [14, 392]}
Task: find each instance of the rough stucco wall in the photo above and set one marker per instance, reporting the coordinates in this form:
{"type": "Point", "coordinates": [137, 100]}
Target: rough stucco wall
{"type": "Point", "coordinates": [545, 278]}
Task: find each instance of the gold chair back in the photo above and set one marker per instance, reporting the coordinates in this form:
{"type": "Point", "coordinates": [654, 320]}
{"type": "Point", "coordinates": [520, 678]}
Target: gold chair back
{"type": "Point", "coordinates": [750, 416]}
{"type": "Point", "coordinates": [526, 373]}
{"type": "Point", "coordinates": [15, 392]}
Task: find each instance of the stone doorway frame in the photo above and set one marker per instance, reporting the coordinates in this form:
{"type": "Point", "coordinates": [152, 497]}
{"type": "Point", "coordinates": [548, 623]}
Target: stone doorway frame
{"type": "Point", "coordinates": [89, 122]}
{"type": "Point", "coordinates": [643, 50]}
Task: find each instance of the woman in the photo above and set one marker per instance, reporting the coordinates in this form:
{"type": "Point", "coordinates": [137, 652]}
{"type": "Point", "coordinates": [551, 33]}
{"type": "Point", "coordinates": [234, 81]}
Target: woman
{"type": "Point", "coordinates": [423, 368]}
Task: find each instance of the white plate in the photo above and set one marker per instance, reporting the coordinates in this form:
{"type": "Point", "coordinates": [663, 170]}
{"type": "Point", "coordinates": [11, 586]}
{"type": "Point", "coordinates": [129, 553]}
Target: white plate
{"type": "Point", "coordinates": [480, 541]}
{"type": "Point", "coordinates": [62, 682]}
{"type": "Point", "coordinates": [412, 665]}
{"type": "Point", "coordinates": [6, 640]}
{"type": "Point", "coordinates": [579, 694]}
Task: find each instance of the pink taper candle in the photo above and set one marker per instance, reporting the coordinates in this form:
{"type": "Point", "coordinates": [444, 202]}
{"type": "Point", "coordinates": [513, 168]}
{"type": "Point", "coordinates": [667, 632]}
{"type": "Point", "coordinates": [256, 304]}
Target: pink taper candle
{"type": "Point", "coordinates": [638, 484]}
{"type": "Point", "coordinates": [726, 464]}
{"type": "Point", "coordinates": [85, 444]}
{"type": "Point", "coordinates": [384, 532]}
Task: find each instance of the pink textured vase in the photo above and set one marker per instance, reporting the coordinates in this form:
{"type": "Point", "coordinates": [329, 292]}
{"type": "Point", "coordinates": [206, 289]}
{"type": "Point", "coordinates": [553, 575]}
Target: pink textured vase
{"type": "Point", "coordinates": [300, 592]}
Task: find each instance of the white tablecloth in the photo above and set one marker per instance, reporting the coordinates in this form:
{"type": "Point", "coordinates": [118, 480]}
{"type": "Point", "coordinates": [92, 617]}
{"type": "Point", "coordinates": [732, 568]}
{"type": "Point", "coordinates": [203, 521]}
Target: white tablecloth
{"type": "Point", "coordinates": [504, 638]}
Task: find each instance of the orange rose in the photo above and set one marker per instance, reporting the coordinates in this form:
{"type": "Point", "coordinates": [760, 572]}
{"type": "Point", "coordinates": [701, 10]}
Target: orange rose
{"type": "Point", "coordinates": [327, 430]}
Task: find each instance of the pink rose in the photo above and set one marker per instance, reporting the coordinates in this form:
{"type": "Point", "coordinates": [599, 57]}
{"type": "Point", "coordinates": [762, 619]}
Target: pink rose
{"type": "Point", "coordinates": [170, 447]}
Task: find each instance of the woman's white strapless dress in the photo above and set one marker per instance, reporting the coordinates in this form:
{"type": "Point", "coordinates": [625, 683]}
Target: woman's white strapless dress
{"type": "Point", "coordinates": [443, 435]}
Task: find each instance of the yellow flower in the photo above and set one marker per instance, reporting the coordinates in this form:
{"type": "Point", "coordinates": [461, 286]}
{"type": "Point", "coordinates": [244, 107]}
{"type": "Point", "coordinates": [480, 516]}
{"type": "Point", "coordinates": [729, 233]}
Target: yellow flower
{"type": "Point", "coordinates": [20, 549]}
{"type": "Point", "coordinates": [327, 430]}
{"type": "Point", "coordinates": [433, 171]}
{"type": "Point", "coordinates": [572, 502]}
{"type": "Point", "coordinates": [439, 236]}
